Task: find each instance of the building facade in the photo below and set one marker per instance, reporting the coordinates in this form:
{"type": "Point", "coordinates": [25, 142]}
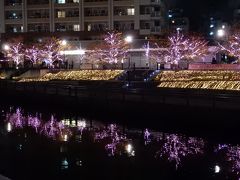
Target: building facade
{"type": "Point", "coordinates": [146, 16]}
{"type": "Point", "coordinates": [177, 21]}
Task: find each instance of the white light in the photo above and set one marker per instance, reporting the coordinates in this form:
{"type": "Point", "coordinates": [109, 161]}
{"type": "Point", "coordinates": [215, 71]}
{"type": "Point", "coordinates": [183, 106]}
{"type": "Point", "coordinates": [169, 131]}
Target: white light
{"type": "Point", "coordinates": [9, 127]}
{"type": "Point", "coordinates": [129, 39]}
{"type": "Point", "coordinates": [73, 52]}
{"type": "Point", "coordinates": [65, 137]}
{"type": "Point", "coordinates": [129, 148]}
{"type": "Point", "coordinates": [81, 51]}
{"type": "Point", "coordinates": [64, 42]}
{"type": "Point", "coordinates": [73, 123]}
{"type": "Point", "coordinates": [173, 21]}
{"type": "Point", "coordinates": [67, 122]}
{"type": "Point", "coordinates": [220, 33]}
{"type": "Point", "coordinates": [217, 169]}
{"type": "Point", "coordinates": [179, 29]}
{"type": "Point", "coordinates": [6, 47]}
{"type": "Point", "coordinates": [81, 124]}
{"type": "Point", "coordinates": [212, 25]}
{"type": "Point", "coordinates": [223, 26]}
{"type": "Point", "coordinates": [170, 15]}
{"type": "Point", "coordinates": [211, 33]}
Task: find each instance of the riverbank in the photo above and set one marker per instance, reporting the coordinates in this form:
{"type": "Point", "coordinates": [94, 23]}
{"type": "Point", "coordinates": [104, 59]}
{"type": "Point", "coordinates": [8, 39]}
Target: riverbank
{"type": "Point", "coordinates": [161, 110]}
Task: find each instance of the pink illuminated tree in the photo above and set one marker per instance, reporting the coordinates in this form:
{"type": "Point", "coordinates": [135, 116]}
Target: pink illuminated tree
{"type": "Point", "coordinates": [179, 47]}
{"type": "Point", "coordinates": [15, 52]}
{"type": "Point", "coordinates": [232, 46]}
{"type": "Point", "coordinates": [113, 49]}
{"type": "Point", "coordinates": [52, 51]}
{"type": "Point", "coordinates": [32, 54]}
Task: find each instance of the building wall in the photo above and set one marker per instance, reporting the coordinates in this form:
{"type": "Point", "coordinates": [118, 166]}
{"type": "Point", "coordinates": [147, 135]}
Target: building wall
{"type": "Point", "coordinates": [2, 20]}
{"type": "Point", "coordinates": [83, 16]}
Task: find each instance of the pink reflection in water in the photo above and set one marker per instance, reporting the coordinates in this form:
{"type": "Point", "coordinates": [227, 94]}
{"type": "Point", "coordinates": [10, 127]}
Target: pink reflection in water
{"type": "Point", "coordinates": [231, 154]}
{"type": "Point", "coordinates": [175, 147]}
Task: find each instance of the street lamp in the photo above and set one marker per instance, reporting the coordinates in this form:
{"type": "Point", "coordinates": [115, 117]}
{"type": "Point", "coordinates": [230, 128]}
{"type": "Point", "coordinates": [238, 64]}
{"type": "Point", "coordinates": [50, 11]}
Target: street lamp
{"type": "Point", "coordinates": [129, 39]}
{"type": "Point", "coordinates": [221, 33]}
{"type": "Point", "coordinates": [6, 47]}
{"type": "Point", "coordinates": [64, 44]}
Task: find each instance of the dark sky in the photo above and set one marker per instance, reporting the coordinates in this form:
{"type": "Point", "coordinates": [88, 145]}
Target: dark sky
{"type": "Point", "coordinates": [200, 10]}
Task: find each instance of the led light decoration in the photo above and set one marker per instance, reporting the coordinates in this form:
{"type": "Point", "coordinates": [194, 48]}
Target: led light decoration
{"type": "Point", "coordinates": [176, 147]}
{"type": "Point", "coordinates": [231, 154]}
{"type": "Point", "coordinates": [232, 46]}
{"type": "Point", "coordinates": [113, 50]}
{"type": "Point", "coordinates": [179, 47]}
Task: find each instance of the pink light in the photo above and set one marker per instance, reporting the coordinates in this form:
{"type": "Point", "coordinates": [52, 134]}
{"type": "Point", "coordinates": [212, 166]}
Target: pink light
{"type": "Point", "coordinates": [180, 47]}
{"type": "Point", "coordinates": [113, 50]}
{"type": "Point", "coordinates": [176, 147]}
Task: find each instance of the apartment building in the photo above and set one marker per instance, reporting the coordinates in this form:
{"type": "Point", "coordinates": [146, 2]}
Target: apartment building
{"type": "Point", "coordinates": [146, 16]}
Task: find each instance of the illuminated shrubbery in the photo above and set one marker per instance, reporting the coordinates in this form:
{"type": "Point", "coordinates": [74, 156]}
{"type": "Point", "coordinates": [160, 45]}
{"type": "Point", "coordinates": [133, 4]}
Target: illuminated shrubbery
{"type": "Point", "coordinates": [224, 80]}
{"type": "Point", "coordinates": [79, 75]}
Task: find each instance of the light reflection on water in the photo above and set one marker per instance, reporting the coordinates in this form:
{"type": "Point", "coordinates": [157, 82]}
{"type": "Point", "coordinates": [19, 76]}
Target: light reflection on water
{"type": "Point", "coordinates": [117, 141]}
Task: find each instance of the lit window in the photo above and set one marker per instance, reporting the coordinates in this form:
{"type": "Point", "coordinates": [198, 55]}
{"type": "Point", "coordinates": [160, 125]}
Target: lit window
{"type": "Point", "coordinates": [61, 1]}
{"type": "Point", "coordinates": [14, 29]}
{"type": "Point", "coordinates": [212, 25]}
{"type": "Point", "coordinates": [211, 33]}
{"type": "Point", "coordinates": [89, 27]}
{"type": "Point", "coordinates": [76, 27]}
{"type": "Point", "coordinates": [130, 11]}
{"type": "Point", "coordinates": [76, 1]}
{"type": "Point", "coordinates": [21, 28]}
{"type": "Point", "coordinates": [61, 14]}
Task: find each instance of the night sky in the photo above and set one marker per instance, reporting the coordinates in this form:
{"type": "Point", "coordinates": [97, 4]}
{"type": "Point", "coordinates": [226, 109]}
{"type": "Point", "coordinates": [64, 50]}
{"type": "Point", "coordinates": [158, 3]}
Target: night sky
{"type": "Point", "coordinates": [200, 10]}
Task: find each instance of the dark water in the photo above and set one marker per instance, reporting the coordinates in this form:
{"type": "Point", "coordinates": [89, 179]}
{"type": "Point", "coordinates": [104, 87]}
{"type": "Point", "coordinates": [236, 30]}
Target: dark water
{"type": "Point", "coordinates": [57, 145]}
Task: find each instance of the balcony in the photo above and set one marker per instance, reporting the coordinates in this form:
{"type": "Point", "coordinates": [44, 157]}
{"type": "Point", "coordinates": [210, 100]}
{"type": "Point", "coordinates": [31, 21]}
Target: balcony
{"type": "Point", "coordinates": [67, 5]}
{"type": "Point", "coordinates": [150, 2]}
{"type": "Point", "coordinates": [15, 7]}
{"type": "Point", "coordinates": [96, 4]}
{"type": "Point", "coordinates": [145, 16]}
{"type": "Point", "coordinates": [123, 18]}
{"type": "Point", "coordinates": [145, 31]}
{"type": "Point", "coordinates": [96, 18]}
{"type": "Point", "coordinates": [13, 21]}
{"type": "Point", "coordinates": [38, 20]}
{"type": "Point", "coordinates": [38, 6]}
{"type": "Point", "coordinates": [123, 3]}
{"type": "Point", "coordinates": [67, 19]}
{"type": "Point", "coordinates": [156, 30]}
{"type": "Point", "coordinates": [156, 14]}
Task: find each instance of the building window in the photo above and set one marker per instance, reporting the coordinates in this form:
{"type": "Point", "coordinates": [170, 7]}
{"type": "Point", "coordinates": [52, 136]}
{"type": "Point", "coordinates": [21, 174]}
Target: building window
{"type": "Point", "coordinates": [61, 1]}
{"type": "Point", "coordinates": [61, 14]}
{"type": "Point", "coordinates": [76, 1]}
{"type": "Point", "coordinates": [130, 11]}
{"type": "Point", "coordinates": [89, 27]}
{"type": "Point", "coordinates": [76, 27]}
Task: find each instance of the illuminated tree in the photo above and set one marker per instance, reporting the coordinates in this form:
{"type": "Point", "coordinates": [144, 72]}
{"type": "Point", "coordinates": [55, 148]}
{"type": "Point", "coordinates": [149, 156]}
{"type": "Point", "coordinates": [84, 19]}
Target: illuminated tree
{"type": "Point", "coordinates": [32, 54]}
{"type": "Point", "coordinates": [155, 53]}
{"type": "Point", "coordinates": [232, 46]}
{"type": "Point", "coordinates": [15, 52]}
{"type": "Point", "coordinates": [113, 49]}
{"type": "Point", "coordinates": [179, 47]}
{"type": "Point", "coordinates": [52, 51]}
